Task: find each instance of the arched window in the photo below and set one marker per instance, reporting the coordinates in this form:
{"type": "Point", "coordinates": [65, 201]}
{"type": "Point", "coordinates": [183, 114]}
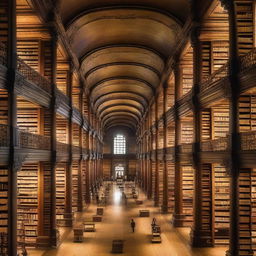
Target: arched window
{"type": "Point", "coordinates": [119, 144]}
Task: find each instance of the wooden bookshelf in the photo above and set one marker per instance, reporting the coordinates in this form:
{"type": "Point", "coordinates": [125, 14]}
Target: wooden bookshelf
{"type": "Point", "coordinates": [160, 183]}
{"type": "Point", "coordinates": [27, 205]}
{"type": "Point", "coordinates": [247, 113]}
{"type": "Point", "coordinates": [170, 136]}
{"type": "Point", "coordinates": [206, 59]}
{"type": "Point", "coordinates": [207, 198]}
{"type": "Point", "coordinates": [187, 71]}
{"type": "Point", "coordinates": [28, 119]}
{"type": "Point", "coordinates": [153, 177]}
{"type": "Point", "coordinates": [221, 205]}
{"type": "Point", "coordinates": [61, 129]}
{"type": "Point", "coordinates": [4, 210]}
{"type": "Point", "coordinates": [245, 212]}
{"type": "Point", "coordinates": [187, 191]}
{"type": "Point", "coordinates": [206, 124]}
{"type": "Point", "coordinates": [171, 192]}
{"type": "Point", "coordinates": [187, 134]}
{"type": "Point", "coordinates": [220, 121]}
{"type": "Point", "coordinates": [245, 26]}
{"type": "Point", "coordinates": [60, 192]}
{"type": "Point", "coordinates": [74, 186]}
{"type": "Point", "coordinates": [29, 52]}
{"type": "Point", "coordinates": [220, 54]}
{"type": "Point", "coordinates": [253, 208]}
{"type": "Point", "coordinates": [3, 106]}
{"type": "Point", "coordinates": [3, 22]}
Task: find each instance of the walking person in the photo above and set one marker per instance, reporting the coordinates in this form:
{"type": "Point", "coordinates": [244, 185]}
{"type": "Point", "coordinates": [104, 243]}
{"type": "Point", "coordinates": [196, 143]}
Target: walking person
{"type": "Point", "coordinates": [133, 224]}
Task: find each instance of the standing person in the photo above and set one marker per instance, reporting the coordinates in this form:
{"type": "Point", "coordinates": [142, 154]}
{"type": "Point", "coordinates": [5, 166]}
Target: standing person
{"type": "Point", "coordinates": [133, 224]}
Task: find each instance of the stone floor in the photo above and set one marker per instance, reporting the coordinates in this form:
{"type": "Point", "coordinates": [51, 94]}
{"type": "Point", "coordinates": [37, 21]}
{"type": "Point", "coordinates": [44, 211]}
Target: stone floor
{"type": "Point", "coordinates": [116, 225]}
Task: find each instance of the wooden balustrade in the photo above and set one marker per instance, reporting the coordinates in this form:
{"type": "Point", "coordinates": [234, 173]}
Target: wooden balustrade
{"type": "Point", "coordinates": [62, 147]}
{"type": "Point", "coordinates": [33, 141]}
{"type": "Point", "coordinates": [248, 140]}
{"type": "Point", "coordinates": [4, 136]}
{"type": "Point", "coordinates": [248, 60]}
{"type": "Point", "coordinates": [186, 148]}
{"type": "Point", "coordinates": [221, 144]}
{"type": "Point", "coordinates": [211, 80]}
{"type": "Point", "coordinates": [33, 76]}
{"type": "Point", "coordinates": [76, 149]}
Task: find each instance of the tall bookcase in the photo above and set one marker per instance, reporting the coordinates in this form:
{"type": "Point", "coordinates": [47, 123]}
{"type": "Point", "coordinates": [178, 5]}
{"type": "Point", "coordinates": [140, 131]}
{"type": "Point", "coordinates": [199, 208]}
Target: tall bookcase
{"type": "Point", "coordinates": [4, 210]}
{"type": "Point", "coordinates": [187, 71]}
{"type": "Point", "coordinates": [245, 26]}
{"type": "Point", "coordinates": [206, 124]}
{"type": "Point", "coordinates": [220, 119]}
{"type": "Point", "coordinates": [245, 212]}
{"type": "Point", "coordinates": [161, 176]}
{"type": "Point", "coordinates": [247, 113]}
{"type": "Point", "coordinates": [253, 210]}
{"type": "Point", "coordinates": [61, 129]}
{"type": "Point", "coordinates": [187, 132]}
{"type": "Point", "coordinates": [74, 185]}
{"type": "Point", "coordinates": [171, 170]}
{"type": "Point", "coordinates": [153, 177]}
{"type": "Point", "coordinates": [27, 212]}
{"type": "Point", "coordinates": [221, 205]}
{"type": "Point", "coordinates": [187, 192]}
{"type": "Point", "coordinates": [60, 192]}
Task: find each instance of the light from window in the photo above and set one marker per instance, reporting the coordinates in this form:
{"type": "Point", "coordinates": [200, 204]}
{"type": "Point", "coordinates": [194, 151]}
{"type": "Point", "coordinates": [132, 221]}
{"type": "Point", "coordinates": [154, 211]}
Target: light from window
{"type": "Point", "coordinates": [119, 144]}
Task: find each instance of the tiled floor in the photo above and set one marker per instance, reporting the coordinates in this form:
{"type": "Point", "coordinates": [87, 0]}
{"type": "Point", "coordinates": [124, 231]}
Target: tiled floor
{"type": "Point", "coordinates": [116, 225]}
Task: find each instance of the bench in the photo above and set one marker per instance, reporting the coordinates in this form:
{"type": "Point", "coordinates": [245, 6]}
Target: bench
{"type": "Point", "coordinates": [144, 213]}
{"type": "Point", "coordinates": [156, 238]}
{"type": "Point", "coordinates": [117, 246]}
{"type": "Point", "coordinates": [89, 227]}
{"type": "Point", "coordinates": [138, 202]}
{"type": "Point", "coordinates": [100, 211]}
{"type": "Point", "coordinates": [96, 218]}
{"type": "Point", "coordinates": [78, 233]}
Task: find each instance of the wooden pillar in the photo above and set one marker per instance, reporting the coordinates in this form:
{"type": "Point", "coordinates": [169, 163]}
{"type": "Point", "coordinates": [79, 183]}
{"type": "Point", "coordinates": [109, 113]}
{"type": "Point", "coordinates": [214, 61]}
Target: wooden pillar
{"type": "Point", "coordinates": [54, 231]}
{"type": "Point", "coordinates": [202, 230]}
{"type": "Point", "coordinates": [165, 168]}
{"type": "Point", "coordinates": [156, 196]}
{"type": "Point", "coordinates": [87, 174]}
{"type": "Point", "coordinates": [150, 146]}
{"type": "Point", "coordinates": [178, 215]}
{"type": "Point", "coordinates": [47, 232]}
{"type": "Point", "coordinates": [68, 188]}
{"type": "Point", "coordinates": [13, 164]}
{"type": "Point", "coordinates": [80, 165]}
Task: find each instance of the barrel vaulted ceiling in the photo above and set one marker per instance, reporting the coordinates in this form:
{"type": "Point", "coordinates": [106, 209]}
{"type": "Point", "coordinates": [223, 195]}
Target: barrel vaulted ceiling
{"type": "Point", "coordinates": [122, 47]}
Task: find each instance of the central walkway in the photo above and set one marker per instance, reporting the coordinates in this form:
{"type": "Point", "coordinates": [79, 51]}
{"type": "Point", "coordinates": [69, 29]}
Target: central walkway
{"type": "Point", "coordinates": [116, 225]}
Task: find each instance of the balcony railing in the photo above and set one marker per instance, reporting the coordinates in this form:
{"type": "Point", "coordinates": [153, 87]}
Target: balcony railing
{"type": "Point", "coordinates": [76, 150]}
{"type": "Point", "coordinates": [248, 140]}
{"type": "Point", "coordinates": [61, 97]}
{"type": "Point", "coordinates": [4, 136]}
{"type": "Point", "coordinates": [186, 148]}
{"type": "Point", "coordinates": [3, 54]}
{"type": "Point", "coordinates": [33, 141]}
{"type": "Point", "coordinates": [62, 147]}
{"type": "Point", "coordinates": [219, 74]}
{"type": "Point", "coordinates": [221, 144]}
{"type": "Point", "coordinates": [248, 60]}
{"type": "Point", "coordinates": [31, 75]}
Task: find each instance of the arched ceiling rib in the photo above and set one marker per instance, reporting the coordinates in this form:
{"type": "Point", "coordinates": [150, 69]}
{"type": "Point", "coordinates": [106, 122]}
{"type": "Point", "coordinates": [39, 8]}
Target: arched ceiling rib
{"type": "Point", "coordinates": [120, 95]}
{"type": "Point", "coordinates": [122, 49]}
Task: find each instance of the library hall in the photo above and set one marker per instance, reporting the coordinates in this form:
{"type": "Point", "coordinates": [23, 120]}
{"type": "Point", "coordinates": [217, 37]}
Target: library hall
{"type": "Point", "coordinates": [128, 127]}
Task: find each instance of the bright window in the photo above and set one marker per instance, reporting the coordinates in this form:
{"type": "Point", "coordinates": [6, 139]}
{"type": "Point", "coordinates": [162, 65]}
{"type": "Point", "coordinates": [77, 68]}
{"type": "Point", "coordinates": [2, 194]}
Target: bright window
{"type": "Point", "coordinates": [119, 144]}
